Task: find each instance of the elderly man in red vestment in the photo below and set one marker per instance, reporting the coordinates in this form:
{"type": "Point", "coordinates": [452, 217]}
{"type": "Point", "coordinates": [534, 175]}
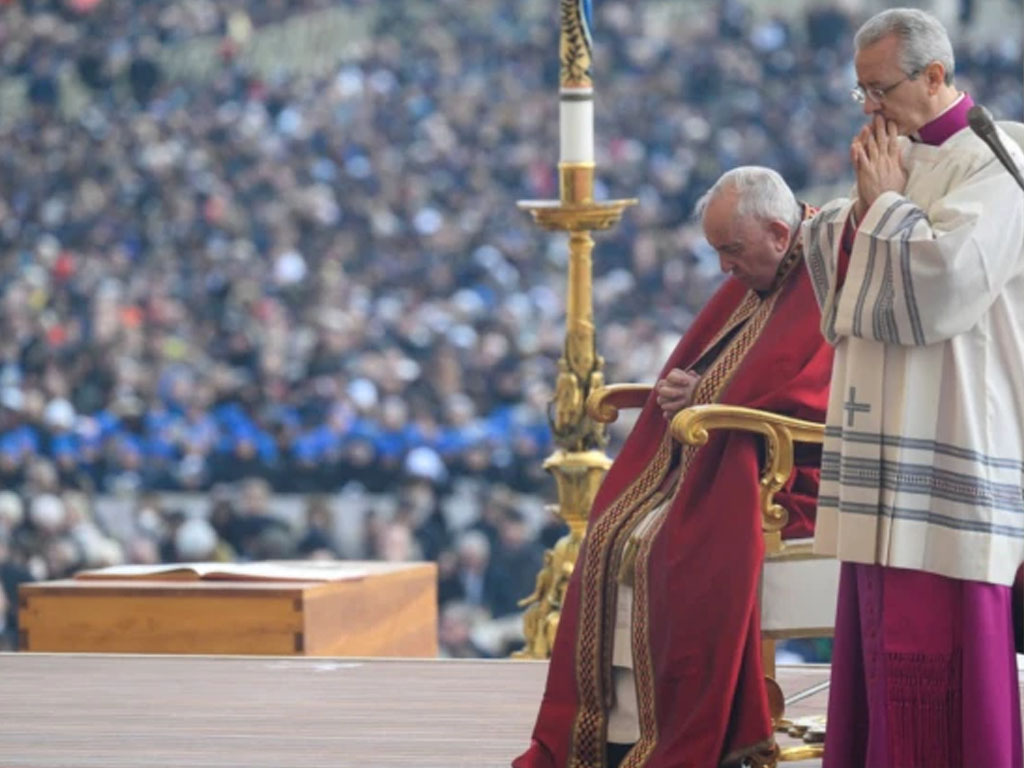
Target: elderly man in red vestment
{"type": "Point", "coordinates": [657, 659]}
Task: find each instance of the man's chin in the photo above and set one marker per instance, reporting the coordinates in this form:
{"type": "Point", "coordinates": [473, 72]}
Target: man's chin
{"type": "Point", "coordinates": [902, 129]}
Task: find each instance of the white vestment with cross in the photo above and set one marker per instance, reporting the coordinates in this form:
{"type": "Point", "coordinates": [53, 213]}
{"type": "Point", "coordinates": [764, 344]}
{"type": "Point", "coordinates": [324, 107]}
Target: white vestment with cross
{"type": "Point", "coordinates": [923, 461]}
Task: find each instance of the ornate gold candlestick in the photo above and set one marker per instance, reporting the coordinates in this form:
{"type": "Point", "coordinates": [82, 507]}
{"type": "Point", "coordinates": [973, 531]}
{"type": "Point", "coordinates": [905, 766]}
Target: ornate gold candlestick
{"type": "Point", "coordinates": [579, 463]}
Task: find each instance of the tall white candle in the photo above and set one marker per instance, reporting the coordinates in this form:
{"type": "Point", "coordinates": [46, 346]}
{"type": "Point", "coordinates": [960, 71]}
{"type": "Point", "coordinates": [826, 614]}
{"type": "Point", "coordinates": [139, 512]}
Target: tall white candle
{"type": "Point", "coordinates": [576, 126]}
{"type": "Point", "coordinates": [576, 94]}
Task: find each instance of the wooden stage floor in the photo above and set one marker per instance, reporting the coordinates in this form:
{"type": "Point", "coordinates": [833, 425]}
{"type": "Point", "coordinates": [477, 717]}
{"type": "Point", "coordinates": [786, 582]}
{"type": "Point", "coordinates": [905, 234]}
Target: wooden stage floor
{"type": "Point", "coordinates": [120, 711]}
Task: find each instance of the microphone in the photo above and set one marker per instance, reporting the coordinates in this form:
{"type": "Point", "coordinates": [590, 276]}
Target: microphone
{"type": "Point", "coordinates": [980, 120]}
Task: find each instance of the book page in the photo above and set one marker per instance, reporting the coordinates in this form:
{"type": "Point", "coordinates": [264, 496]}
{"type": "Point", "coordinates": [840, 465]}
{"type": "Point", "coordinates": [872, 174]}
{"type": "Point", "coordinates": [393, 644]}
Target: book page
{"type": "Point", "coordinates": [270, 570]}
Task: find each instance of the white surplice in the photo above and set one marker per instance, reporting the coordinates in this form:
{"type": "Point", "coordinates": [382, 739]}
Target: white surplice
{"type": "Point", "coordinates": [923, 459]}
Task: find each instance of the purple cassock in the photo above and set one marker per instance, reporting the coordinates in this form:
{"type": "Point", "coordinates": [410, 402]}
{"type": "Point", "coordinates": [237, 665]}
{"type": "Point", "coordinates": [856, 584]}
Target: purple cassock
{"type": "Point", "coordinates": [924, 672]}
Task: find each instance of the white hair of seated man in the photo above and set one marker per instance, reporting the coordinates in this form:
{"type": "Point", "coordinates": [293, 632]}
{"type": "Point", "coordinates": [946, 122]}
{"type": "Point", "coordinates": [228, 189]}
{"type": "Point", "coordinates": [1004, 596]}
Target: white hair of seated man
{"type": "Point", "coordinates": [762, 193]}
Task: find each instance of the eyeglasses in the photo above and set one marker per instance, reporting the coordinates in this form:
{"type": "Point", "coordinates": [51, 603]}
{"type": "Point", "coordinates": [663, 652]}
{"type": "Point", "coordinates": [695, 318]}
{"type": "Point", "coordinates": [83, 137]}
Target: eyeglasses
{"type": "Point", "coordinates": [860, 94]}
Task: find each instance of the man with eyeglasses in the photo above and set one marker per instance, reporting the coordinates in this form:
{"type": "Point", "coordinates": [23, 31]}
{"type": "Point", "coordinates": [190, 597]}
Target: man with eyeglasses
{"type": "Point", "coordinates": [920, 277]}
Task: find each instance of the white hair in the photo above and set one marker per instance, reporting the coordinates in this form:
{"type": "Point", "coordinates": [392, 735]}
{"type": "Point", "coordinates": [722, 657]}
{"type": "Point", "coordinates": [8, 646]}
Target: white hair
{"type": "Point", "coordinates": [12, 510]}
{"type": "Point", "coordinates": [922, 37]}
{"type": "Point", "coordinates": [47, 512]}
{"type": "Point", "coordinates": [760, 192]}
{"type": "Point", "coordinates": [195, 540]}
{"type": "Point", "coordinates": [474, 542]}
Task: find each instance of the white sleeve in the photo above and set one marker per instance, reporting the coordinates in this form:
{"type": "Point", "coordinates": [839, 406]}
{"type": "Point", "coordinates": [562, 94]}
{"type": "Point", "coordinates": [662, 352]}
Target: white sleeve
{"type": "Point", "coordinates": [821, 240]}
{"type": "Point", "coordinates": [917, 277]}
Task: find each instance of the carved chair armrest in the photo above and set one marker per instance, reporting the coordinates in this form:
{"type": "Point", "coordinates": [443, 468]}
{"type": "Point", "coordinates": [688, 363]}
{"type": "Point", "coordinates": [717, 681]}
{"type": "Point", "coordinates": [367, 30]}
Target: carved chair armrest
{"type": "Point", "coordinates": [691, 426]}
{"type": "Point", "coordinates": [604, 403]}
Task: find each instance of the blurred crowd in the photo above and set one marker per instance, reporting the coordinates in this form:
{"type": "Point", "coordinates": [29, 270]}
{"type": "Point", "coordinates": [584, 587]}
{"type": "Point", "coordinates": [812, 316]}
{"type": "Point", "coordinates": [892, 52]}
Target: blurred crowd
{"type": "Point", "coordinates": [305, 284]}
{"type": "Point", "coordinates": [487, 540]}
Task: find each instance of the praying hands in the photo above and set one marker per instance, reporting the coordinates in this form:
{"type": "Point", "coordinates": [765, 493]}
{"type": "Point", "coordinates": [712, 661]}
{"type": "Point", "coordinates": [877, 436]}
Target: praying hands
{"type": "Point", "coordinates": [877, 161]}
{"type": "Point", "coordinates": [675, 391]}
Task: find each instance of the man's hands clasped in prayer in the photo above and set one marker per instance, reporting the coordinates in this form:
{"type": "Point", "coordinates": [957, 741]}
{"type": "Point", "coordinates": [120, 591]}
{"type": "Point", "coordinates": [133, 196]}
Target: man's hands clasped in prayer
{"type": "Point", "coordinates": [876, 158]}
{"type": "Point", "coordinates": [675, 391]}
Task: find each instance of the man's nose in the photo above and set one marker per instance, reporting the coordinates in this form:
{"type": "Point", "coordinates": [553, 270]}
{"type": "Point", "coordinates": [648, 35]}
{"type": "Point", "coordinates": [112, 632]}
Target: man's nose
{"type": "Point", "coordinates": [871, 106]}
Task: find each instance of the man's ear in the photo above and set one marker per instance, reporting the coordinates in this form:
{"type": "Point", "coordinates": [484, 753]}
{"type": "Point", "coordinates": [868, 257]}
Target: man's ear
{"type": "Point", "coordinates": [780, 234]}
{"type": "Point", "coordinates": [935, 76]}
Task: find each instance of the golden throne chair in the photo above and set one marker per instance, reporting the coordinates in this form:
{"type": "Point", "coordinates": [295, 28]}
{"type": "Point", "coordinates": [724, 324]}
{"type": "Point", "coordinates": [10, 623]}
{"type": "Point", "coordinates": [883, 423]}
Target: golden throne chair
{"type": "Point", "coordinates": [786, 611]}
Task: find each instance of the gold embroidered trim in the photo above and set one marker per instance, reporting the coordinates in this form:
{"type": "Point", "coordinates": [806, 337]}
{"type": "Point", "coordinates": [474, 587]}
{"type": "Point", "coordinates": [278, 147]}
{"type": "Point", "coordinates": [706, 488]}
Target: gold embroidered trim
{"type": "Point", "coordinates": [593, 662]}
{"type": "Point", "coordinates": [749, 304]}
{"type": "Point", "coordinates": [627, 559]}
